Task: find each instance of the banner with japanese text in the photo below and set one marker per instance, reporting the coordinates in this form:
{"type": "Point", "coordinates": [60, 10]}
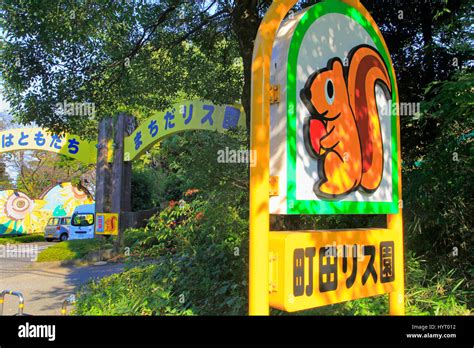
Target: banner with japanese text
{"type": "Point", "coordinates": [189, 115]}
{"type": "Point", "coordinates": [39, 139]}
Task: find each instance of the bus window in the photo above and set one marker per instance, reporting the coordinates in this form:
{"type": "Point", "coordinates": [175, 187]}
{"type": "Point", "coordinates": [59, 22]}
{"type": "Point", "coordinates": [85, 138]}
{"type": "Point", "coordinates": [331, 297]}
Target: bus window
{"type": "Point", "coordinates": [83, 220]}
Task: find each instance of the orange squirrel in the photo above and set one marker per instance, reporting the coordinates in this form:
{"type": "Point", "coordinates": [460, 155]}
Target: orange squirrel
{"type": "Point", "coordinates": [343, 131]}
{"type": "Point", "coordinates": [110, 224]}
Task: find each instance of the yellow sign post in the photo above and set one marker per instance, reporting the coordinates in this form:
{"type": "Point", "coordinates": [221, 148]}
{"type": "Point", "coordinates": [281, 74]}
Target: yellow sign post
{"type": "Point", "coordinates": [107, 224]}
{"type": "Point", "coordinates": [328, 139]}
{"type": "Point", "coordinates": [260, 144]}
{"type": "Point", "coordinates": [311, 269]}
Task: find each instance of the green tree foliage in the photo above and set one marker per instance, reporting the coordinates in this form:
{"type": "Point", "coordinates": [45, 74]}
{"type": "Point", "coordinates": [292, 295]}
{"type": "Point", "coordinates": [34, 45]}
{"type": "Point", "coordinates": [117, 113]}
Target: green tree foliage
{"type": "Point", "coordinates": [148, 188]}
{"type": "Point", "coordinates": [438, 185]}
{"type": "Point", "coordinates": [184, 162]}
{"type": "Point", "coordinates": [119, 55]}
{"type": "Point", "coordinates": [5, 180]}
{"type": "Point", "coordinates": [428, 41]}
{"type": "Point", "coordinates": [38, 170]}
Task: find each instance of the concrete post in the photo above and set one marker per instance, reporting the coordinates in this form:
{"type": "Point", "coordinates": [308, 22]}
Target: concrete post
{"type": "Point", "coordinates": [102, 191]}
{"type": "Point", "coordinates": [121, 174]}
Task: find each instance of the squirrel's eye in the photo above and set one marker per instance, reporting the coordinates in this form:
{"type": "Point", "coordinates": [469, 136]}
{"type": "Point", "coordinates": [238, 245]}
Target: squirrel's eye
{"type": "Point", "coordinates": [329, 90]}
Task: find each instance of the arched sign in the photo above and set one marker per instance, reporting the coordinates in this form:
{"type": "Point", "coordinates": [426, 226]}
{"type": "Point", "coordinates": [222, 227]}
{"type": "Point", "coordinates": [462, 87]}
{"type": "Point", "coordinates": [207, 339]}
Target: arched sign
{"type": "Point", "coordinates": [190, 115]}
{"type": "Point", "coordinates": [334, 145]}
{"type": "Point", "coordinates": [39, 139]}
{"type": "Point", "coordinates": [334, 134]}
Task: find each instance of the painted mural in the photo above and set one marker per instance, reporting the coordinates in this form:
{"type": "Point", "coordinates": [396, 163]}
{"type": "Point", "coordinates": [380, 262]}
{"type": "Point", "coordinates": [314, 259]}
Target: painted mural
{"type": "Point", "coordinates": [20, 214]}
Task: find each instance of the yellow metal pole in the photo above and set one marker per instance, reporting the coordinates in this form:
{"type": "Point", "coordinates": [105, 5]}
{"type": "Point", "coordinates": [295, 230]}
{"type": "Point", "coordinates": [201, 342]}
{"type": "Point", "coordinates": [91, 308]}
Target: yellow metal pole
{"type": "Point", "coordinates": [395, 223]}
{"type": "Point", "coordinates": [260, 145]}
{"type": "Point", "coordinates": [397, 297]}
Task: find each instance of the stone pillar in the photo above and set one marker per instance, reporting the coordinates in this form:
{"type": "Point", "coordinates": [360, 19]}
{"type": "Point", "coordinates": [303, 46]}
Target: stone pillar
{"type": "Point", "coordinates": [121, 174]}
{"type": "Point", "coordinates": [103, 174]}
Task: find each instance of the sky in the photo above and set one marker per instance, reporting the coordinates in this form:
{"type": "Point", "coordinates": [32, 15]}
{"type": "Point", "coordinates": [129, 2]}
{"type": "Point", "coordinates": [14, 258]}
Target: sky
{"type": "Point", "coordinates": [4, 107]}
{"type": "Point", "coordinates": [3, 104]}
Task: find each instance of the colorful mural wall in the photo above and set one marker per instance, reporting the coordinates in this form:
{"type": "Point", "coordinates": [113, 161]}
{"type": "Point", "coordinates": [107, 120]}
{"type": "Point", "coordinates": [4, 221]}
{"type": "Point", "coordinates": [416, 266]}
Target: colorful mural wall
{"type": "Point", "coordinates": [19, 214]}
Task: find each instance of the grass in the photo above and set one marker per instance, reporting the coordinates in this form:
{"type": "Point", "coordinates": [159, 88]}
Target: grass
{"type": "Point", "coordinates": [444, 292]}
{"type": "Point", "coordinates": [30, 238]}
{"type": "Point", "coordinates": [72, 250]}
{"type": "Point", "coordinates": [136, 291]}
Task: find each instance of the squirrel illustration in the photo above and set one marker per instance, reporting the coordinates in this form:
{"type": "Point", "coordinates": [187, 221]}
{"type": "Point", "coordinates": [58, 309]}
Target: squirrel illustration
{"type": "Point", "coordinates": [343, 131]}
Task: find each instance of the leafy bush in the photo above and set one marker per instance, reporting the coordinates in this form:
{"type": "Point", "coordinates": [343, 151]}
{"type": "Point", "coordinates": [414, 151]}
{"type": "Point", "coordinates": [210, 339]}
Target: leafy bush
{"type": "Point", "coordinates": [30, 238]}
{"type": "Point", "coordinates": [199, 243]}
{"type": "Point", "coordinates": [147, 188]}
{"type": "Point", "coordinates": [133, 236]}
{"type": "Point", "coordinates": [438, 186]}
{"type": "Point", "coordinates": [205, 248]}
{"type": "Point", "coordinates": [137, 291]}
{"type": "Point", "coordinates": [199, 251]}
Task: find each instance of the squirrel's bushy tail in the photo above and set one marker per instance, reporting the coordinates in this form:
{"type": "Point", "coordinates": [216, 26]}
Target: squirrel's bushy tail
{"type": "Point", "coordinates": [367, 68]}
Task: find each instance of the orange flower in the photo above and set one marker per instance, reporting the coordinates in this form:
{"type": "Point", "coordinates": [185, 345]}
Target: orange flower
{"type": "Point", "coordinates": [190, 192]}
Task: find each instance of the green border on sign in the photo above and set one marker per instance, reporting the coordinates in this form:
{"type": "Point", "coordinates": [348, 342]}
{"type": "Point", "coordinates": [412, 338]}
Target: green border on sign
{"type": "Point", "coordinates": [328, 206]}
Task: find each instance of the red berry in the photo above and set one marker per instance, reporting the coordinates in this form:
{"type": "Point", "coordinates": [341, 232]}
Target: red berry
{"type": "Point", "coordinates": [316, 131]}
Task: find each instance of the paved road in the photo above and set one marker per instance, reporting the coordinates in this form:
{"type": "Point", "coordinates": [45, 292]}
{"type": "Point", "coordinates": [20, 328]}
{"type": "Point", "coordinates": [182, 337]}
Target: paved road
{"type": "Point", "coordinates": [44, 289]}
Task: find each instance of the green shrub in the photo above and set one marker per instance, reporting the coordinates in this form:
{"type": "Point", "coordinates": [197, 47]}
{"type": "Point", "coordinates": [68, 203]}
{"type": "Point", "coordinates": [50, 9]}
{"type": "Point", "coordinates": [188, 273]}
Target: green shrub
{"type": "Point", "coordinates": [438, 181]}
{"type": "Point", "coordinates": [147, 188]}
{"type": "Point", "coordinates": [134, 292]}
{"type": "Point", "coordinates": [203, 255]}
{"type": "Point", "coordinates": [133, 236]}
{"type": "Point", "coordinates": [446, 292]}
{"type": "Point", "coordinates": [200, 241]}
{"type": "Point", "coordinates": [30, 238]}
